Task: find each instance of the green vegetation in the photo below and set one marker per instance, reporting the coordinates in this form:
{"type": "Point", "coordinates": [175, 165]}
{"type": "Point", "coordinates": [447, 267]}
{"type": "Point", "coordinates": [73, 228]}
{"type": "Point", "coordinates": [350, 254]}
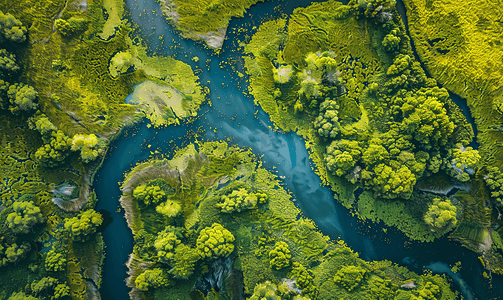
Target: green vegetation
{"type": "Point", "coordinates": [26, 214]}
{"type": "Point", "coordinates": [265, 251]}
{"type": "Point", "coordinates": [441, 213]}
{"type": "Point", "coordinates": [370, 116]}
{"type": "Point", "coordinates": [84, 225]}
{"type": "Point", "coordinates": [204, 20]}
{"type": "Point", "coordinates": [279, 256]}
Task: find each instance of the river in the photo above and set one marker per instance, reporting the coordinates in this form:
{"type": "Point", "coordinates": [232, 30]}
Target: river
{"type": "Point", "coordinates": [232, 114]}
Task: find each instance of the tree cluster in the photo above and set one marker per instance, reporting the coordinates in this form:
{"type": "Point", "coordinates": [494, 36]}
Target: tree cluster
{"type": "Point", "coordinates": [440, 214]}
{"type": "Point", "coordinates": [149, 194]}
{"type": "Point", "coordinates": [494, 180]}
{"type": "Point", "coordinates": [215, 241]}
{"type": "Point", "coordinates": [270, 291]}
{"type": "Point", "coordinates": [350, 277]}
{"type": "Point", "coordinates": [279, 256]}
{"type": "Point", "coordinates": [26, 215]}
{"type": "Point", "coordinates": [239, 200]}
{"type": "Point", "coordinates": [21, 97]}
{"type": "Point", "coordinates": [84, 225]}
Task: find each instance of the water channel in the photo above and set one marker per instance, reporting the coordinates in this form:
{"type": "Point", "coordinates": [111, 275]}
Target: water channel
{"type": "Point", "coordinates": [232, 114]}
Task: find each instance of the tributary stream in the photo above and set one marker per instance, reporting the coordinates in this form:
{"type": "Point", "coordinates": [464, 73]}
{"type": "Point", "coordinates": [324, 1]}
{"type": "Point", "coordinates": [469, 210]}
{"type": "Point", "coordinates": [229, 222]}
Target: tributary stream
{"type": "Point", "coordinates": [233, 115]}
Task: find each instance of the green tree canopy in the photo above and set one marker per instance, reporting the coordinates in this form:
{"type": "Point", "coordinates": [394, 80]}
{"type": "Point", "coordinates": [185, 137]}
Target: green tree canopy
{"type": "Point", "coordinates": [166, 242]}
{"type": "Point", "coordinates": [279, 256]}
{"type": "Point", "coordinates": [464, 163]}
{"type": "Point", "coordinates": [149, 194]}
{"type": "Point", "coordinates": [327, 122]}
{"type": "Point", "coordinates": [239, 200]}
{"type": "Point", "coordinates": [151, 279]}
{"type": "Point", "coordinates": [11, 29]}
{"type": "Point", "coordinates": [22, 97]}
{"type": "Point", "coordinates": [303, 278]}
{"type": "Point", "coordinates": [26, 215]}
{"type": "Point", "coordinates": [88, 146]}
{"type": "Point", "coordinates": [215, 241]}
{"type": "Point", "coordinates": [55, 261]}
{"type": "Point", "coordinates": [84, 225]}
{"type": "Point", "coordinates": [350, 277]}
{"type": "Point", "coordinates": [8, 65]}
{"type": "Point", "coordinates": [342, 156]}
{"type": "Point", "coordinates": [54, 153]}
{"type": "Point", "coordinates": [494, 180]}
{"type": "Point", "coordinates": [185, 261]}
{"type": "Point", "coordinates": [13, 253]}
{"type": "Point", "coordinates": [43, 125]}
{"type": "Point", "coordinates": [441, 213]}
{"type": "Point", "coordinates": [21, 296]}
{"type": "Point", "coordinates": [70, 27]}
{"type": "Point", "coordinates": [391, 181]}
{"type": "Point", "coordinates": [170, 208]}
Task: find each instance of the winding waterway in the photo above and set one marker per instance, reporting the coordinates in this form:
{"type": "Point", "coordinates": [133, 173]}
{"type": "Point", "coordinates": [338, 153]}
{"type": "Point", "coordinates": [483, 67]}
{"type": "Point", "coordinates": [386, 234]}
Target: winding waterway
{"type": "Point", "coordinates": [233, 115]}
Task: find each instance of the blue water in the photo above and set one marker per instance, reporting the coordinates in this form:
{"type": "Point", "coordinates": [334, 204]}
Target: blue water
{"type": "Point", "coordinates": [233, 115]}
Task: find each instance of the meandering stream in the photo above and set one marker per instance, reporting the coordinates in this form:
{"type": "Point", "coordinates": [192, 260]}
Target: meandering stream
{"type": "Point", "coordinates": [233, 115]}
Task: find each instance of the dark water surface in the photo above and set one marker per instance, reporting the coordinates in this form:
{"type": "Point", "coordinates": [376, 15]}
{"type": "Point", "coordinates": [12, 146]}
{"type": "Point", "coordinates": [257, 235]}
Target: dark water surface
{"type": "Point", "coordinates": [233, 115]}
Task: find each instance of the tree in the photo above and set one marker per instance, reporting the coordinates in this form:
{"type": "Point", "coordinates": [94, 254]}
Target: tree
{"type": "Point", "coordinates": [149, 194]}
{"type": "Point", "coordinates": [215, 241]}
{"type": "Point", "coordinates": [185, 261]}
{"type": "Point", "coordinates": [380, 289]}
{"type": "Point", "coordinates": [8, 65]}
{"type": "Point", "coordinates": [87, 145]}
{"type": "Point", "coordinates": [280, 256]}
{"type": "Point", "coordinates": [151, 279]}
{"type": "Point", "coordinates": [426, 119]}
{"type": "Point", "coordinates": [4, 100]}
{"type": "Point", "coordinates": [44, 287]}
{"type": "Point", "coordinates": [464, 163]}
{"type": "Point", "coordinates": [55, 261]}
{"type": "Point", "coordinates": [170, 208]}
{"type": "Point", "coordinates": [494, 180]}
{"type": "Point", "coordinates": [430, 291]}
{"type": "Point", "coordinates": [166, 242]}
{"type": "Point", "coordinates": [303, 278]}
{"type": "Point", "coordinates": [43, 125]}
{"type": "Point", "coordinates": [342, 156]}
{"type": "Point", "coordinates": [22, 97]}
{"type": "Point", "coordinates": [391, 181]}
{"type": "Point", "coordinates": [375, 153]}
{"type": "Point", "coordinates": [71, 27]}
{"type": "Point", "coordinates": [54, 153]}
{"type": "Point", "coordinates": [239, 200]}
{"type": "Point", "coordinates": [62, 291]}
{"type": "Point", "coordinates": [11, 29]}
{"type": "Point", "coordinates": [21, 296]}
{"type": "Point", "coordinates": [327, 122]}
{"type": "Point", "coordinates": [14, 253]}
{"type": "Point", "coordinates": [350, 277]}
{"type": "Point", "coordinates": [391, 41]}
{"type": "Point", "coordinates": [270, 291]}
{"type": "Point", "coordinates": [26, 215]}
{"type": "Point", "coordinates": [84, 225]}
{"type": "Point", "coordinates": [441, 214]}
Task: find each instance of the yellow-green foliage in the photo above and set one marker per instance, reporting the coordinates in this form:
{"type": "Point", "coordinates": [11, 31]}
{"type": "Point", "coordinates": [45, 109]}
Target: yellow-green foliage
{"type": "Point", "coordinates": [151, 279]}
{"type": "Point", "coordinates": [279, 256]}
{"type": "Point", "coordinates": [149, 194]}
{"type": "Point", "coordinates": [120, 63]}
{"type": "Point", "coordinates": [240, 200]}
{"type": "Point", "coordinates": [272, 234]}
{"type": "Point", "coordinates": [350, 277]}
{"type": "Point", "coordinates": [165, 244]}
{"type": "Point", "coordinates": [185, 259]}
{"type": "Point", "coordinates": [55, 261]}
{"type": "Point", "coordinates": [458, 41]}
{"type": "Point", "coordinates": [84, 225]}
{"type": "Point", "coordinates": [441, 213]}
{"type": "Point", "coordinates": [215, 241]}
{"type": "Point", "coordinates": [170, 208]}
{"type": "Point", "coordinates": [26, 215]}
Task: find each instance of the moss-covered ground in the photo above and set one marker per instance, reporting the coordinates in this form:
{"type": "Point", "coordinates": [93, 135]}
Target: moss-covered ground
{"type": "Point", "coordinates": [197, 178]}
